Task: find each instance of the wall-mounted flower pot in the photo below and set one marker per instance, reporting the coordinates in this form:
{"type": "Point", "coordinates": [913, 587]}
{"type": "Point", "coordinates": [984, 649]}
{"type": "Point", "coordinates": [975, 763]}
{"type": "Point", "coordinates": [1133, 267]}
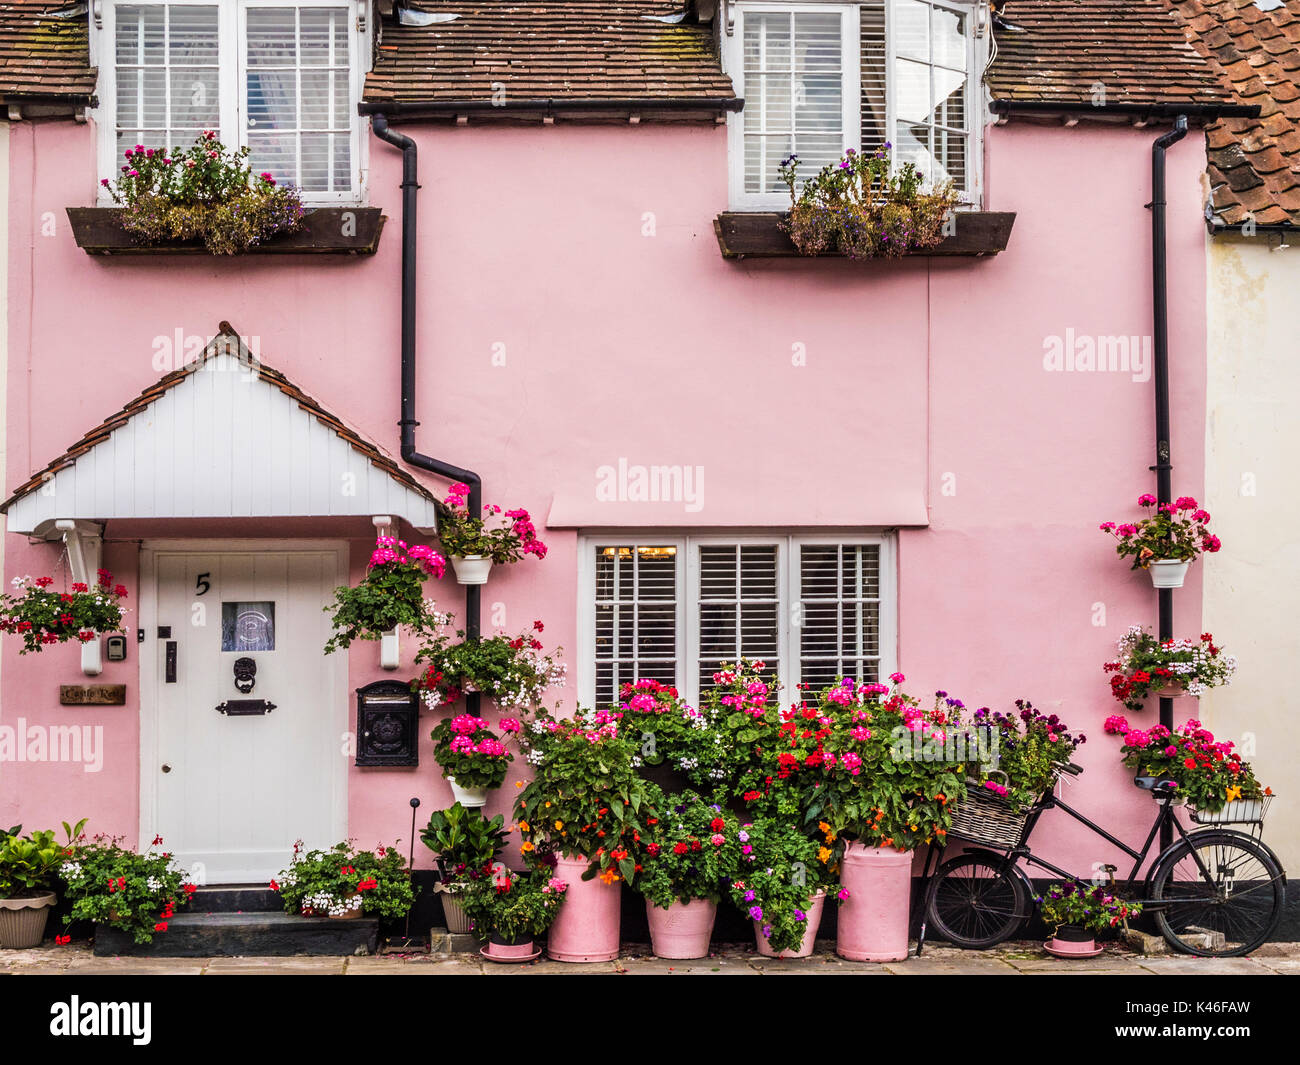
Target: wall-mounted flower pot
{"type": "Point", "coordinates": [1172, 691]}
{"type": "Point", "coordinates": [92, 657]}
{"type": "Point", "coordinates": [805, 948]}
{"type": "Point", "coordinates": [22, 921]}
{"type": "Point", "coordinates": [471, 569]}
{"type": "Point", "coordinates": [683, 930]}
{"type": "Point", "coordinates": [1168, 573]}
{"type": "Point", "coordinates": [758, 235]}
{"type": "Point", "coordinates": [873, 921]}
{"type": "Point", "coordinates": [470, 798]}
{"type": "Point", "coordinates": [390, 656]}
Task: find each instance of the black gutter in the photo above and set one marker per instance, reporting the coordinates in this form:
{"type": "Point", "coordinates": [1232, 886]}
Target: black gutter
{"type": "Point", "coordinates": [410, 186]}
{"type": "Point", "coordinates": [1163, 468]}
{"type": "Point", "coordinates": [1284, 228]}
{"type": "Point", "coordinates": [551, 105]}
{"type": "Point", "coordinates": [1209, 112]}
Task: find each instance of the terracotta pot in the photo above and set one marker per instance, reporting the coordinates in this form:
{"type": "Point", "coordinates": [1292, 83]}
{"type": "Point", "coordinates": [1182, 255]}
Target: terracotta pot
{"type": "Point", "coordinates": [22, 921]}
{"type": "Point", "coordinates": [1171, 691]}
{"type": "Point", "coordinates": [873, 922]}
{"type": "Point", "coordinates": [815, 906]}
{"type": "Point", "coordinates": [587, 925]}
{"type": "Point", "coordinates": [471, 569]}
{"type": "Point", "coordinates": [683, 930]}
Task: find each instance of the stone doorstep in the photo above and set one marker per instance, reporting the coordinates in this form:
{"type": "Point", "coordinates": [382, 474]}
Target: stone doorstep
{"type": "Point", "coordinates": [263, 934]}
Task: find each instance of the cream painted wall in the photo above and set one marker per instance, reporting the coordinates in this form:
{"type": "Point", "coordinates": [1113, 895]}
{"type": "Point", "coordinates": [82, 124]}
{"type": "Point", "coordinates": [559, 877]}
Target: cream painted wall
{"type": "Point", "coordinates": [4, 310]}
{"type": "Point", "coordinates": [1252, 587]}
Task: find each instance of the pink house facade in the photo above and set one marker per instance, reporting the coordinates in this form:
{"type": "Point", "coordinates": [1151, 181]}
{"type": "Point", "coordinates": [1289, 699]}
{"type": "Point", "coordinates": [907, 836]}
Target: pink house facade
{"type": "Point", "coordinates": [838, 466]}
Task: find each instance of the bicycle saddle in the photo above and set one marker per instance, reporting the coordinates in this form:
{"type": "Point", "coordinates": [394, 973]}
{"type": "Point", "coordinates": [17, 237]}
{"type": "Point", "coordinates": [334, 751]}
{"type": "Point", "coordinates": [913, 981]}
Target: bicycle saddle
{"type": "Point", "coordinates": [1155, 783]}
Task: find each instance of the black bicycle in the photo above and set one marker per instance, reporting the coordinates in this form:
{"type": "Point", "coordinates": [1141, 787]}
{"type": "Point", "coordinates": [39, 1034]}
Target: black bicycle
{"type": "Point", "coordinates": [1215, 891]}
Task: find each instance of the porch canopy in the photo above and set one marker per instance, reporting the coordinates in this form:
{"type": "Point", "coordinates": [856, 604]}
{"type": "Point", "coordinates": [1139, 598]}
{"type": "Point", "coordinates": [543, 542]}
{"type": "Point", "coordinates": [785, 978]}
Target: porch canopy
{"type": "Point", "coordinates": [225, 436]}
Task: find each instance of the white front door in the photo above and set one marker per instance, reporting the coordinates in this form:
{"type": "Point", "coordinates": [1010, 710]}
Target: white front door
{"type": "Point", "coordinates": [233, 790]}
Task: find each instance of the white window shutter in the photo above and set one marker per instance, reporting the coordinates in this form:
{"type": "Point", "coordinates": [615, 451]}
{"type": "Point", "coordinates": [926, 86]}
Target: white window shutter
{"type": "Point", "coordinates": [839, 609]}
{"type": "Point", "coordinates": [739, 607]}
{"type": "Point", "coordinates": [635, 616]}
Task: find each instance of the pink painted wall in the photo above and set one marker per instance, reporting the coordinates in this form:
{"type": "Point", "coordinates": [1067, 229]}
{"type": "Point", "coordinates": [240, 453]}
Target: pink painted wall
{"type": "Point", "coordinates": [923, 386]}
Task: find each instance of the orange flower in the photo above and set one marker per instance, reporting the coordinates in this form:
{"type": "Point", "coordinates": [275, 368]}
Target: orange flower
{"type": "Point", "coordinates": [526, 847]}
{"type": "Point", "coordinates": [609, 876]}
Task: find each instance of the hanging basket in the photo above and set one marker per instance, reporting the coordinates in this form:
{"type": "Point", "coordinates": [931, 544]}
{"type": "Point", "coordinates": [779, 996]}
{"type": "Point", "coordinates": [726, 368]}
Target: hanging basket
{"type": "Point", "coordinates": [1168, 573]}
{"type": "Point", "coordinates": [471, 569]}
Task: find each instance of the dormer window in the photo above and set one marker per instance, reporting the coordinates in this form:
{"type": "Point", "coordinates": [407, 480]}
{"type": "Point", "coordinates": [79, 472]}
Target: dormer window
{"type": "Point", "coordinates": [818, 79]}
{"type": "Point", "coordinates": [281, 77]}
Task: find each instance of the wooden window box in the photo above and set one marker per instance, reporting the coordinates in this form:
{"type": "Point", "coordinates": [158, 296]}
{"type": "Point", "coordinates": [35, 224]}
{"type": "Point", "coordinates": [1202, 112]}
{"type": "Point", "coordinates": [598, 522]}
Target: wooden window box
{"type": "Point", "coordinates": [758, 235]}
{"type": "Point", "coordinates": [326, 230]}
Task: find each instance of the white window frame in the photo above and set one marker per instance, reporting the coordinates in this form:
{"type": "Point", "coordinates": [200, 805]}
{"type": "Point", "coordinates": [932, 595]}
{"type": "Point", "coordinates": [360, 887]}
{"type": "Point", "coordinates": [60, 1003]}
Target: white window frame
{"type": "Point", "coordinates": [688, 600]}
{"type": "Point", "coordinates": [734, 64]}
{"type": "Point", "coordinates": [232, 44]}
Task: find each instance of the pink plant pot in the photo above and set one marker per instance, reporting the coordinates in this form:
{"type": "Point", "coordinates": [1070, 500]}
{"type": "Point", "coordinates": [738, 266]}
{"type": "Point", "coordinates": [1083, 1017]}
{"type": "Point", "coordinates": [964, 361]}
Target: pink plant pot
{"type": "Point", "coordinates": [511, 951]}
{"type": "Point", "coordinates": [683, 930]}
{"type": "Point", "coordinates": [873, 921]}
{"type": "Point", "coordinates": [587, 925]}
{"type": "Point", "coordinates": [815, 905]}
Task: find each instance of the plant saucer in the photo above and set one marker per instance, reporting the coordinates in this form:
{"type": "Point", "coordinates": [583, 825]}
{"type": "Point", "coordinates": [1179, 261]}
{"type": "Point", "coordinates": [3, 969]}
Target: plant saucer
{"type": "Point", "coordinates": [1047, 946]}
{"type": "Point", "coordinates": [511, 961]}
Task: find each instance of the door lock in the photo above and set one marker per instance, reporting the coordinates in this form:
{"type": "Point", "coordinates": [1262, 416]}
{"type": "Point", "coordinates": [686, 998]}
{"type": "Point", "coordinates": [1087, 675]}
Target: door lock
{"type": "Point", "coordinates": [169, 676]}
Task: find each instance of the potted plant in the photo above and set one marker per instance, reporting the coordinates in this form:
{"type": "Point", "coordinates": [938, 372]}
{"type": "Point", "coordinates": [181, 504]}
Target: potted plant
{"type": "Point", "coordinates": [472, 756]}
{"type": "Point", "coordinates": [465, 842]}
{"type": "Point", "coordinates": [1077, 913]}
{"type": "Point", "coordinates": [885, 796]}
{"type": "Point", "coordinates": [1025, 754]}
{"type": "Point", "coordinates": [587, 811]}
{"type": "Point", "coordinates": [1148, 665]}
{"type": "Point", "coordinates": [205, 192]}
{"type": "Point", "coordinates": [344, 882]}
{"type": "Point", "coordinates": [42, 616]}
{"type": "Point", "coordinates": [691, 853]}
{"type": "Point", "coordinates": [511, 670]}
{"type": "Point", "coordinates": [1166, 542]}
{"type": "Point", "coordinates": [474, 545]}
{"type": "Point", "coordinates": [391, 595]}
{"type": "Point", "coordinates": [134, 892]}
{"type": "Point", "coordinates": [510, 910]}
{"type": "Point", "coordinates": [782, 883]}
{"type": "Point", "coordinates": [1207, 774]}
{"type": "Point", "coordinates": [864, 207]}
{"type": "Point", "coordinates": [28, 870]}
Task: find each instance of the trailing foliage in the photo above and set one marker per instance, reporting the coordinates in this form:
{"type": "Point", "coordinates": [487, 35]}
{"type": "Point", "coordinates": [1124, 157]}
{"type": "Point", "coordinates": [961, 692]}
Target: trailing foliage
{"type": "Point", "coordinates": [391, 595]}
{"type": "Point", "coordinates": [1148, 665]}
{"type": "Point", "coordinates": [1177, 531]}
{"type": "Point", "coordinates": [42, 616]}
{"type": "Point", "coordinates": [513, 906]}
{"type": "Point", "coordinates": [865, 208]}
{"type": "Point", "coordinates": [1092, 908]}
{"type": "Point", "coordinates": [205, 192]}
{"type": "Point", "coordinates": [1027, 751]}
{"type": "Point", "coordinates": [780, 870]}
{"type": "Point", "coordinates": [509, 669]}
{"type": "Point", "coordinates": [507, 542]}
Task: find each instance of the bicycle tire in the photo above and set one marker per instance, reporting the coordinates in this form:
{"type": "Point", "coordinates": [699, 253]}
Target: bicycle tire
{"type": "Point", "coordinates": [977, 901]}
{"type": "Point", "coordinates": [1192, 906]}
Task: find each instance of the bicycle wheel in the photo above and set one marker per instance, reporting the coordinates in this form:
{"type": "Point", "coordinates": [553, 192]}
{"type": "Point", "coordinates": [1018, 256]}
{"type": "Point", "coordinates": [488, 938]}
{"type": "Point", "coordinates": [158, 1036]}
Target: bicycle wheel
{"type": "Point", "coordinates": [976, 901]}
{"type": "Point", "coordinates": [1222, 894]}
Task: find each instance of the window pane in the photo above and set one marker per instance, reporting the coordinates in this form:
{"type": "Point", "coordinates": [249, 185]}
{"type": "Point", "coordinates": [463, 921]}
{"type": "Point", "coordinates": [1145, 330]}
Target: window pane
{"type": "Point", "coordinates": [636, 617]}
{"type": "Point", "coordinates": [949, 39]}
{"type": "Point", "coordinates": [839, 634]}
{"type": "Point", "coordinates": [912, 91]}
{"type": "Point", "coordinates": [912, 29]}
{"type": "Point", "coordinates": [739, 607]}
{"type": "Point", "coordinates": [166, 74]}
{"type": "Point", "coordinates": [296, 85]}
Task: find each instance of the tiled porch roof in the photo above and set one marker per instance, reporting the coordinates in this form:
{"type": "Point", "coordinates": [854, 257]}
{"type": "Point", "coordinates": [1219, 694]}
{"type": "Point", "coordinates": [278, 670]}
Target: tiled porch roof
{"type": "Point", "coordinates": [578, 49]}
{"type": "Point", "coordinates": [226, 340]}
{"type": "Point", "coordinates": [1254, 163]}
{"type": "Point", "coordinates": [1060, 50]}
{"type": "Point", "coordinates": [44, 56]}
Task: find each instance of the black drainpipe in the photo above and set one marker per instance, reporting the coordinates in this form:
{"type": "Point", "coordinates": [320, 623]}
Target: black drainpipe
{"type": "Point", "coordinates": [1163, 468]}
{"type": "Point", "coordinates": [410, 185]}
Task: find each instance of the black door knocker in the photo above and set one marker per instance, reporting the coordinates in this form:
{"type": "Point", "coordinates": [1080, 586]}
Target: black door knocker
{"type": "Point", "coordinates": [245, 674]}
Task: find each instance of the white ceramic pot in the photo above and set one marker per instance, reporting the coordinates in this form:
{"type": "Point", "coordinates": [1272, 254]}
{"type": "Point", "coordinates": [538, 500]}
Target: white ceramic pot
{"type": "Point", "coordinates": [390, 656]}
{"type": "Point", "coordinates": [92, 659]}
{"type": "Point", "coordinates": [1168, 573]}
{"type": "Point", "coordinates": [470, 798]}
{"type": "Point", "coordinates": [471, 569]}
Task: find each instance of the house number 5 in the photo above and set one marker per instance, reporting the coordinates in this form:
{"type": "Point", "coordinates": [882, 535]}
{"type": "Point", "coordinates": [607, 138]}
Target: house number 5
{"type": "Point", "coordinates": [201, 584]}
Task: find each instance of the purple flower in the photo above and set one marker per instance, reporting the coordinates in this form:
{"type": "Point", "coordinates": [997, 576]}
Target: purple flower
{"type": "Point", "coordinates": [756, 913]}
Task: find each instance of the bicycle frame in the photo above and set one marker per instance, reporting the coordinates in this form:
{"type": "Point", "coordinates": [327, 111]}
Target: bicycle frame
{"type": "Point", "coordinates": [1164, 815]}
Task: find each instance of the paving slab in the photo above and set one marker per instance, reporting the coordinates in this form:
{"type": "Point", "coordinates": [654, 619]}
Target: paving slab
{"type": "Point", "coordinates": [1184, 965]}
{"type": "Point", "coordinates": [429, 965]}
{"type": "Point", "coordinates": [136, 967]}
{"type": "Point", "coordinates": [267, 966]}
{"type": "Point", "coordinates": [718, 966]}
{"type": "Point", "coordinates": [973, 966]}
{"type": "Point", "coordinates": [1046, 963]}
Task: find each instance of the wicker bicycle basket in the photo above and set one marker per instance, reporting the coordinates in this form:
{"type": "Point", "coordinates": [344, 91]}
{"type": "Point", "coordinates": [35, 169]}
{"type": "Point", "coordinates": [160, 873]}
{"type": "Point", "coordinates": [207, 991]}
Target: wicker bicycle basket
{"type": "Point", "coordinates": [983, 817]}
